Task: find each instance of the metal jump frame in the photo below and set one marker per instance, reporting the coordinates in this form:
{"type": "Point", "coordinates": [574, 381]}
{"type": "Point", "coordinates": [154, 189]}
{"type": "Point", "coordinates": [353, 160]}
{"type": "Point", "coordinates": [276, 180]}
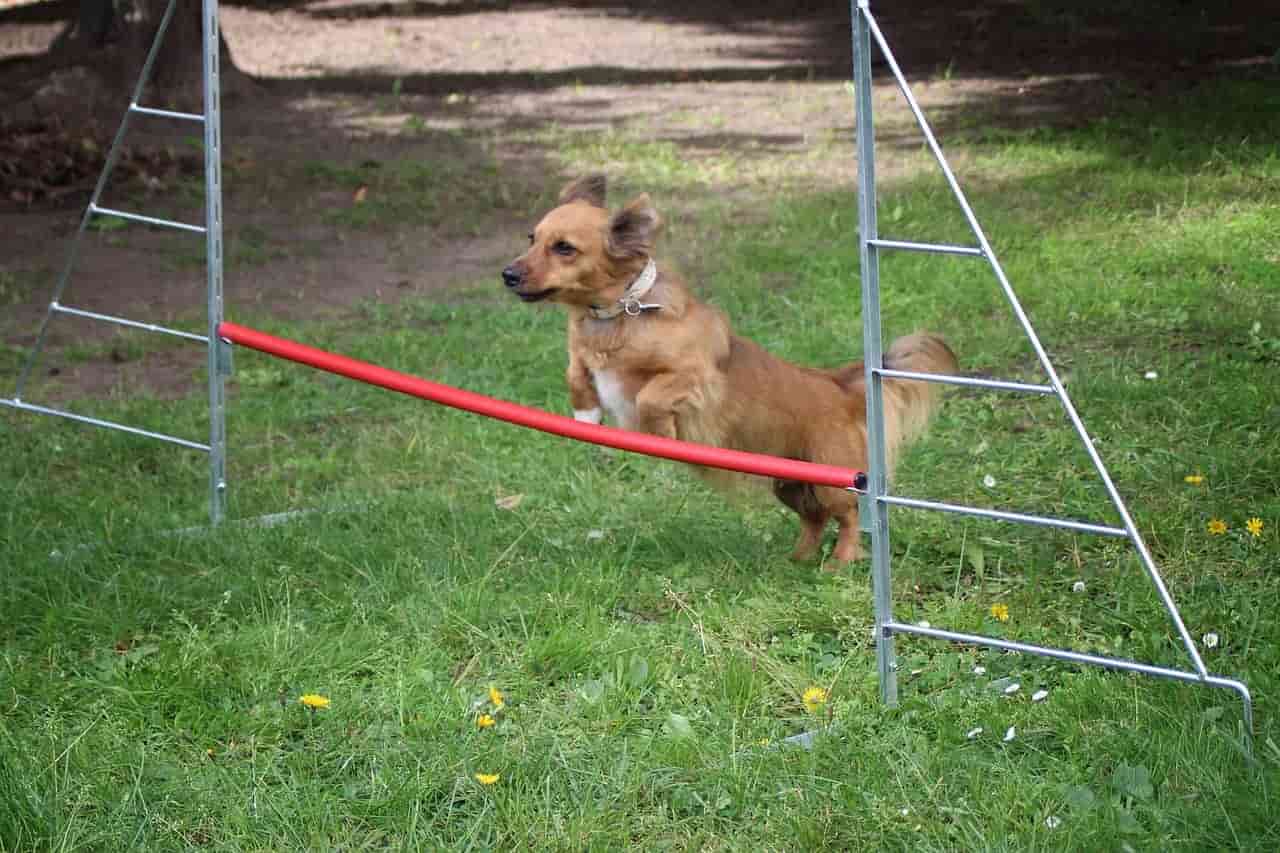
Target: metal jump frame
{"type": "Point", "coordinates": [875, 497]}
{"type": "Point", "coordinates": [219, 365]}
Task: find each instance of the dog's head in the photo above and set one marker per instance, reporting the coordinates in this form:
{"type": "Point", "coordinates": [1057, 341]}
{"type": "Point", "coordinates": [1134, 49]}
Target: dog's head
{"type": "Point", "coordinates": [580, 253]}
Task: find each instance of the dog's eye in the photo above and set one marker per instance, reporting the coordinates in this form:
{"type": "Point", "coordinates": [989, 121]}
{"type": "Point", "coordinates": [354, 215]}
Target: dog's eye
{"type": "Point", "coordinates": [560, 247]}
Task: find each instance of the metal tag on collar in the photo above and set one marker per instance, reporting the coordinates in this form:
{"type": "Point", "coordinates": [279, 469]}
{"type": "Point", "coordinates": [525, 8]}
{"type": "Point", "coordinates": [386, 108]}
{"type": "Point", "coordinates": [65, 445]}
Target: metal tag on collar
{"type": "Point", "coordinates": [634, 307]}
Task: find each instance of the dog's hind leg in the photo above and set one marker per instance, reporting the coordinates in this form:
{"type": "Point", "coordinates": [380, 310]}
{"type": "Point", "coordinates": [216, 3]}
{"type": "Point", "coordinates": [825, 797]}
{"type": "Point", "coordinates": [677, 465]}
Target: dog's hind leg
{"type": "Point", "coordinates": [802, 500]}
{"type": "Point", "coordinates": [848, 541]}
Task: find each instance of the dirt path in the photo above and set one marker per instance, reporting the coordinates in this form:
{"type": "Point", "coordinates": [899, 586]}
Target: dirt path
{"type": "Point", "coordinates": [455, 98]}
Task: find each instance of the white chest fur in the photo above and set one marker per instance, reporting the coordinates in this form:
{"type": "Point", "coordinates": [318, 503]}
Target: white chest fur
{"type": "Point", "coordinates": [613, 397]}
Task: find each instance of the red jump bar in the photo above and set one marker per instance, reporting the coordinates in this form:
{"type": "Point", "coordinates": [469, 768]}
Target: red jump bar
{"type": "Point", "coordinates": [636, 442]}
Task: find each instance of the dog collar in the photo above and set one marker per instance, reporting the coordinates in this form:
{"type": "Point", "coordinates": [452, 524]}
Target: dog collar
{"type": "Point", "coordinates": [630, 303]}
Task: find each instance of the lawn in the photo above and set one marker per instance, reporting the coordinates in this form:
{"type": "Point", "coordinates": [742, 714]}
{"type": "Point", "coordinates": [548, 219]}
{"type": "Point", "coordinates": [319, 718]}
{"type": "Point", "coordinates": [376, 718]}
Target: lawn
{"type": "Point", "coordinates": [642, 648]}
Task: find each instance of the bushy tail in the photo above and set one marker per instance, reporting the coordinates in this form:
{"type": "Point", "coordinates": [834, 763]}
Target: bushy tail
{"type": "Point", "coordinates": [908, 404]}
{"type": "Point", "coordinates": [911, 403]}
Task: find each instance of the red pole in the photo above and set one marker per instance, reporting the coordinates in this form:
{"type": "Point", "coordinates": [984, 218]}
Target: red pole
{"type": "Point", "coordinates": [636, 442]}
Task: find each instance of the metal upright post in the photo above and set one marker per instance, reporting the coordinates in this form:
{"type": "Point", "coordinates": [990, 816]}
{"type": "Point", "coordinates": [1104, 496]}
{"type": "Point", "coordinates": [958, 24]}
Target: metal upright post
{"type": "Point", "coordinates": [869, 262]}
{"type": "Point", "coordinates": [219, 352]}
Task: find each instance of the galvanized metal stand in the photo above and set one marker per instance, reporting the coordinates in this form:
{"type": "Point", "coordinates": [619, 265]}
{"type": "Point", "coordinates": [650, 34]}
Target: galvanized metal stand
{"type": "Point", "coordinates": [876, 500]}
{"type": "Point", "coordinates": [218, 351]}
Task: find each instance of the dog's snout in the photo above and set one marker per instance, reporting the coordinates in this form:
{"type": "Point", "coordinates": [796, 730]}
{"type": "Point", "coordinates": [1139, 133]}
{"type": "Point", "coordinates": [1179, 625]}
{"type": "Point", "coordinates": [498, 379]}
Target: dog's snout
{"type": "Point", "coordinates": [511, 276]}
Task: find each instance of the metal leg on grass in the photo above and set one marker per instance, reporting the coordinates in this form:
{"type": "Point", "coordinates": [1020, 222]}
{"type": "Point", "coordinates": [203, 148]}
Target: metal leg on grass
{"type": "Point", "coordinates": [219, 360]}
{"type": "Point", "coordinates": [869, 263]}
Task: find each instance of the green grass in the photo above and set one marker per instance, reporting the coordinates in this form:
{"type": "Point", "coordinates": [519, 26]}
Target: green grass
{"type": "Point", "coordinates": [652, 642]}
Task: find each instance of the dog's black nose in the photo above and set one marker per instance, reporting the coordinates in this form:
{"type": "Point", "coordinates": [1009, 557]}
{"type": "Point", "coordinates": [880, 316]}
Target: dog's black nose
{"type": "Point", "coordinates": [511, 277]}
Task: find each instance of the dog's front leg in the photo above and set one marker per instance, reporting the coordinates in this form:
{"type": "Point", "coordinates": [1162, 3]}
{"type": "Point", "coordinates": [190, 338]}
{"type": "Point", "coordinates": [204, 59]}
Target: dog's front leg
{"type": "Point", "coordinates": [659, 401]}
{"type": "Point", "coordinates": [582, 392]}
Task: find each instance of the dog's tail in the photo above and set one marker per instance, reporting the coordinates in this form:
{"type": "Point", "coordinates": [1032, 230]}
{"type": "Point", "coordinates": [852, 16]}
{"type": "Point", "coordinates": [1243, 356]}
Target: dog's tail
{"type": "Point", "coordinates": [908, 404]}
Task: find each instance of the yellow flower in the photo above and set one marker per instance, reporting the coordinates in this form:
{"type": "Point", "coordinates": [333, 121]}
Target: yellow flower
{"type": "Point", "coordinates": [484, 721]}
{"type": "Point", "coordinates": [488, 778]}
{"type": "Point", "coordinates": [314, 701]}
{"type": "Point", "coordinates": [1254, 526]}
{"type": "Point", "coordinates": [814, 698]}
{"type": "Point", "coordinates": [1000, 611]}
{"type": "Point", "coordinates": [1193, 479]}
{"type": "Point", "coordinates": [495, 696]}
{"type": "Point", "coordinates": [1217, 527]}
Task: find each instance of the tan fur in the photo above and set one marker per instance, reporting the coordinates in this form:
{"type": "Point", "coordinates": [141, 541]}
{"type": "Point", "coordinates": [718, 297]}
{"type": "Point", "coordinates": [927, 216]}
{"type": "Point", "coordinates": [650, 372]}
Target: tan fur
{"type": "Point", "coordinates": [680, 371]}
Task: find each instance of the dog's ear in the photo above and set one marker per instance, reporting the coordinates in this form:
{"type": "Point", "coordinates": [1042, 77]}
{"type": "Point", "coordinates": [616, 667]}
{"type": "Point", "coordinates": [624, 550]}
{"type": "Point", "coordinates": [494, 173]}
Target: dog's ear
{"type": "Point", "coordinates": [633, 229]}
{"type": "Point", "coordinates": [589, 188]}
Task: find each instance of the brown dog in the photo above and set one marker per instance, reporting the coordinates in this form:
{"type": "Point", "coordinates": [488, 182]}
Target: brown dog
{"type": "Point", "coordinates": [643, 349]}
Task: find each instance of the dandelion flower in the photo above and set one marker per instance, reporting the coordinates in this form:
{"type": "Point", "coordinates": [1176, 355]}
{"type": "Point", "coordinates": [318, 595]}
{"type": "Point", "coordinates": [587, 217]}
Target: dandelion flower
{"type": "Point", "coordinates": [1078, 586]}
{"type": "Point", "coordinates": [1193, 479]}
{"type": "Point", "coordinates": [314, 701]}
{"type": "Point", "coordinates": [488, 778]}
{"type": "Point", "coordinates": [1254, 526]}
{"type": "Point", "coordinates": [495, 696]}
{"type": "Point", "coordinates": [1000, 611]}
{"type": "Point", "coordinates": [1217, 527]}
{"type": "Point", "coordinates": [814, 698]}
{"type": "Point", "coordinates": [485, 721]}
{"type": "Point", "coordinates": [979, 670]}
{"type": "Point", "coordinates": [1052, 822]}
{"type": "Point", "coordinates": [1210, 640]}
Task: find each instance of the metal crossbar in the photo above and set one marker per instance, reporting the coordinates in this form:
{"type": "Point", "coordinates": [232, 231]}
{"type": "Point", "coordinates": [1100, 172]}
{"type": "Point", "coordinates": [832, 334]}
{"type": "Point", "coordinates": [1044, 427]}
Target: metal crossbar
{"type": "Point", "coordinates": [147, 220]}
{"type": "Point", "coordinates": [132, 324]}
{"type": "Point", "coordinates": [935, 248]}
{"type": "Point", "coordinates": [877, 499]}
{"type": "Point", "coordinates": [15, 403]}
{"type": "Point", "coordinates": [1002, 515]}
{"type": "Point", "coordinates": [968, 381]}
{"type": "Point", "coordinates": [218, 353]}
{"type": "Point", "coordinates": [150, 111]}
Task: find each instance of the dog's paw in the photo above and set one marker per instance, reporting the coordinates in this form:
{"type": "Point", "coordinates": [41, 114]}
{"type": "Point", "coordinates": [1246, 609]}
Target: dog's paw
{"type": "Point", "coordinates": [589, 416]}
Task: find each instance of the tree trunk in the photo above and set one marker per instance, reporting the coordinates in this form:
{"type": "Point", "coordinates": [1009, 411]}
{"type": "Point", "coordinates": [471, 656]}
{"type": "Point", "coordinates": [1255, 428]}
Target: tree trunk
{"type": "Point", "coordinates": [178, 75]}
{"type": "Point", "coordinates": [109, 39]}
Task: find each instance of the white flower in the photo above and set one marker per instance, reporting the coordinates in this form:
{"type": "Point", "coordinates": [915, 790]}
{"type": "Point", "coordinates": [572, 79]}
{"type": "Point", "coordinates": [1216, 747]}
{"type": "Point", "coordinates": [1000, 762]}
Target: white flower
{"type": "Point", "coordinates": [979, 670]}
{"type": "Point", "coordinates": [1039, 695]}
{"type": "Point", "coordinates": [1012, 688]}
{"type": "Point", "coordinates": [595, 535]}
{"type": "Point", "coordinates": [1210, 640]}
{"type": "Point", "coordinates": [973, 733]}
{"type": "Point", "coordinates": [1010, 734]}
{"type": "Point", "coordinates": [1052, 822]}
{"type": "Point", "coordinates": [905, 811]}
{"type": "Point", "coordinates": [989, 481]}
{"type": "Point", "coordinates": [1151, 374]}
{"type": "Point", "coordinates": [1078, 586]}
{"type": "Point", "coordinates": [924, 624]}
